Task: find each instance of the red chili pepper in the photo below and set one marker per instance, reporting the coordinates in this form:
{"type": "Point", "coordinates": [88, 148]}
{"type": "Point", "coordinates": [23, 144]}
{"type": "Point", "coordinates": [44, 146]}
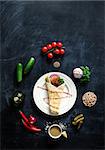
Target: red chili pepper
{"type": "Point", "coordinates": [31, 128]}
{"type": "Point", "coordinates": [24, 116]}
{"type": "Point", "coordinates": [32, 119]}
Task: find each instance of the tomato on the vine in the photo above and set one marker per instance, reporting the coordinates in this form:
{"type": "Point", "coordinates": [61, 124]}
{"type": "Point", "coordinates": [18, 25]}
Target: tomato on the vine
{"type": "Point", "coordinates": [49, 46]}
{"type": "Point", "coordinates": [62, 51]}
{"type": "Point", "coordinates": [44, 49]}
{"type": "Point", "coordinates": [54, 44]}
{"type": "Point", "coordinates": [57, 51]}
{"type": "Point", "coordinates": [50, 55]}
{"type": "Point", "coordinates": [59, 44]}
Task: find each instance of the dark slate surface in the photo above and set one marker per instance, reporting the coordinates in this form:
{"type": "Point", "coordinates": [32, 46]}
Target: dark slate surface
{"type": "Point", "coordinates": [25, 27]}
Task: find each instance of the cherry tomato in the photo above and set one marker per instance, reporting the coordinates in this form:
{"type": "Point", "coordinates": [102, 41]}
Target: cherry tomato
{"type": "Point", "coordinates": [44, 49]}
{"type": "Point", "coordinates": [62, 51]}
{"type": "Point", "coordinates": [59, 44]}
{"type": "Point", "coordinates": [54, 44]}
{"type": "Point", "coordinates": [50, 55]}
{"type": "Point", "coordinates": [49, 46]}
{"type": "Point", "coordinates": [55, 80]}
{"type": "Point", "coordinates": [57, 51]}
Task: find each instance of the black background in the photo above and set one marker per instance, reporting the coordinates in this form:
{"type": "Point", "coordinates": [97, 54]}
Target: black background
{"type": "Point", "coordinates": [25, 28]}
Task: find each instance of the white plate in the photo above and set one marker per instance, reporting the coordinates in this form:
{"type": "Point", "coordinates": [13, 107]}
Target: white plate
{"type": "Point", "coordinates": [39, 93]}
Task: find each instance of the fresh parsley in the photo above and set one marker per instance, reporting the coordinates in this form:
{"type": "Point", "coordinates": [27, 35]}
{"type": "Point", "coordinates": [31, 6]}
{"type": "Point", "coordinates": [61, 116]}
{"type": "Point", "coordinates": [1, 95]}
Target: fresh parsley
{"type": "Point", "coordinates": [61, 81]}
{"type": "Point", "coordinates": [86, 74]}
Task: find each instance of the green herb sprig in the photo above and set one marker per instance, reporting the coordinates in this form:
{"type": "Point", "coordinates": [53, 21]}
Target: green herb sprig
{"type": "Point", "coordinates": [86, 74]}
{"type": "Point", "coordinates": [61, 81]}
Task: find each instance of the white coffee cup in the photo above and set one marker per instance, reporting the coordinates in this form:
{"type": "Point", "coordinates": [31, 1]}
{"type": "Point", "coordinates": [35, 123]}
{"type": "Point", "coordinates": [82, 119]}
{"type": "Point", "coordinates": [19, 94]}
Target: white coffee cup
{"type": "Point", "coordinates": [55, 131]}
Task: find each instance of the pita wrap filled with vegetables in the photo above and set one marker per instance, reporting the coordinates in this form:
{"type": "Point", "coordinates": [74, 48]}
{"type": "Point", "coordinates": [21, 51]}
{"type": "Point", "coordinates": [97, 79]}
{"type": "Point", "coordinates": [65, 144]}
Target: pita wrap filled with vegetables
{"type": "Point", "coordinates": [55, 87]}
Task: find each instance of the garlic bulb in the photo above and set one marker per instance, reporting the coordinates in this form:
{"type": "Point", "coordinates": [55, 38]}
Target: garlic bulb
{"type": "Point", "coordinates": [78, 73]}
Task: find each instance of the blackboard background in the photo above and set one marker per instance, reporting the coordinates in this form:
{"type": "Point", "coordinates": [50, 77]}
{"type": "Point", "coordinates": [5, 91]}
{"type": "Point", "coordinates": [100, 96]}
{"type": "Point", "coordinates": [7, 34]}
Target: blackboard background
{"type": "Point", "coordinates": [25, 27]}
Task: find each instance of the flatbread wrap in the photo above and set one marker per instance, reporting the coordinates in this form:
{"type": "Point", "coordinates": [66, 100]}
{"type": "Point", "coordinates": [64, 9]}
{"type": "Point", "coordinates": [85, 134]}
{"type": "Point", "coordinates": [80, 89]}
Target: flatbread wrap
{"type": "Point", "coordinates": [55, 87]}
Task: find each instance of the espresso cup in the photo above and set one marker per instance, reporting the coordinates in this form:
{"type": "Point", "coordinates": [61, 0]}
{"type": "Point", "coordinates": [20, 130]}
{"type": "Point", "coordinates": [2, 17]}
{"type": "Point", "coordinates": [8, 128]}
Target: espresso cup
{"type": "Point", "coordinates": [55, 131]}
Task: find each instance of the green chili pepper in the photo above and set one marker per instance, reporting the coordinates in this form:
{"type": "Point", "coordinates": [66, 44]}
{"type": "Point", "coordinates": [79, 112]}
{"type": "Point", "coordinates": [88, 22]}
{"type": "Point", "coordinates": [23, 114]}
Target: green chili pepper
{"type": "Point", "coordinates": [19, 72]}
{"type": "Point", "coordinates": [29, 65]}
